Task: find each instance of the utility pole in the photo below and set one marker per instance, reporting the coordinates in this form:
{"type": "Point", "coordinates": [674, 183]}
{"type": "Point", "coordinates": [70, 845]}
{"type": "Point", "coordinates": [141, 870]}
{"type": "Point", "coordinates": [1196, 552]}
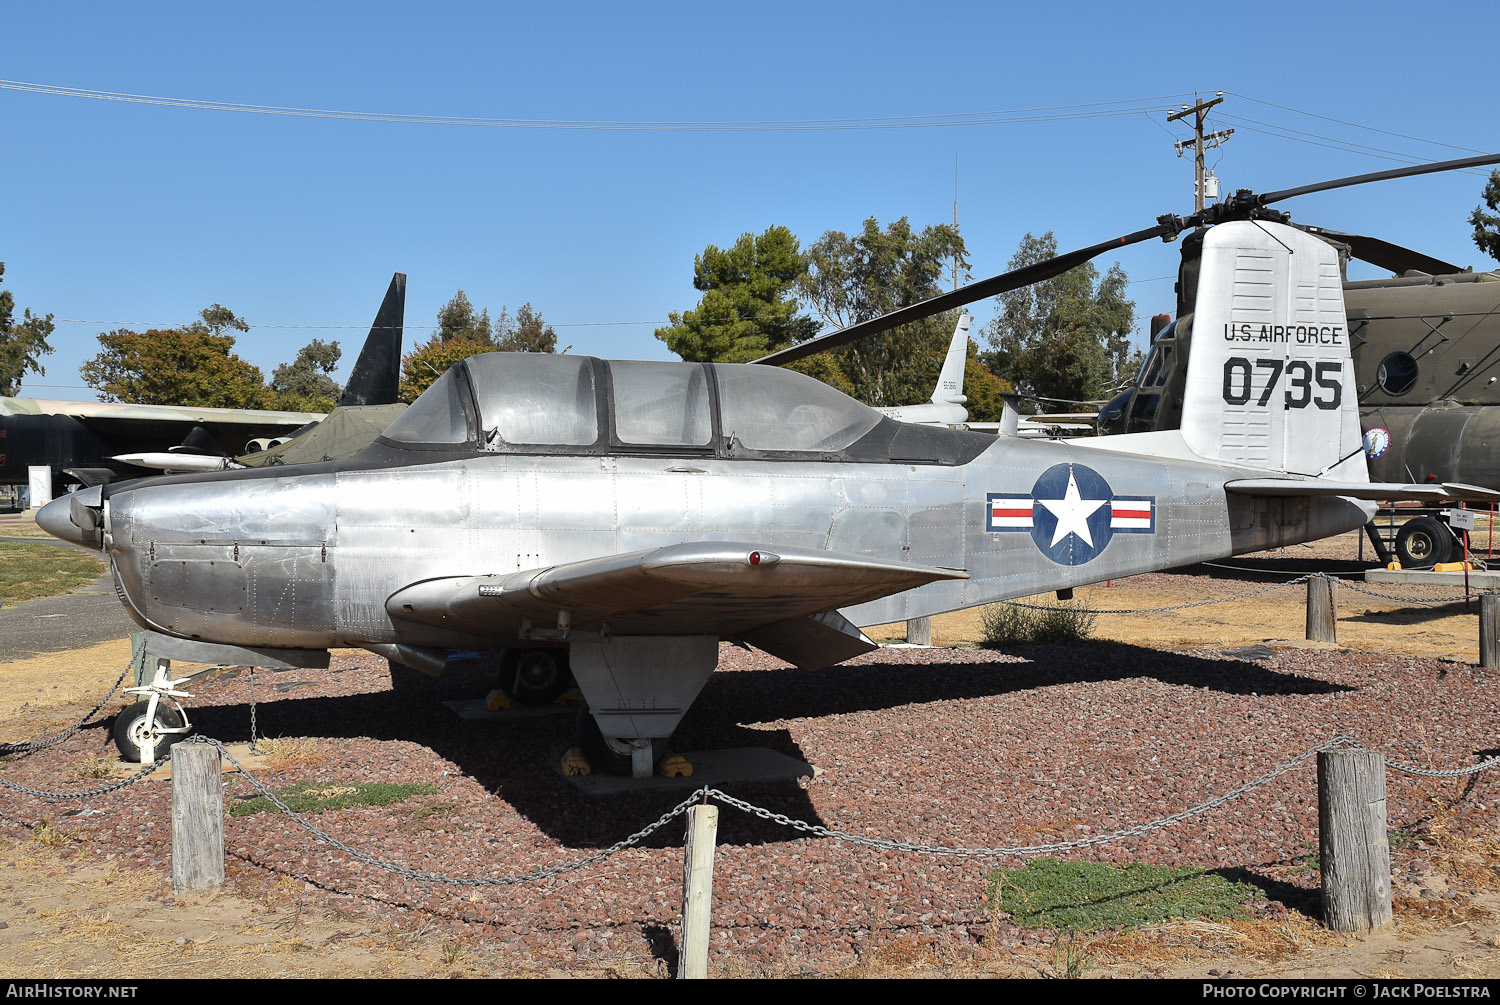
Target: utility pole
{"type": "Point", "coordinates": [1200, 143]}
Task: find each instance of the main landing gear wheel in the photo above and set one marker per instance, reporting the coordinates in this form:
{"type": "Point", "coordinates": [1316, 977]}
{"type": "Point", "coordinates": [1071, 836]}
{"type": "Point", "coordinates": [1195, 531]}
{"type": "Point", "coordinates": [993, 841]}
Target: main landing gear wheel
{"type": "Point", "coordinates": [535, 676]}
{"type": "Point", "coordinates": [608, 756]}
{"type": "Point", "coordinates": [1422, 543]}
{"type": "Point", "coordinates": [133, 729]}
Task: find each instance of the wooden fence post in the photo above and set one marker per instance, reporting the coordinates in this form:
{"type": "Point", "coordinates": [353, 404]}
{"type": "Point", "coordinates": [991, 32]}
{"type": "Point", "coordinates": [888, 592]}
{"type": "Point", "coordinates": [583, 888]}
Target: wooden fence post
{"type": "Point", "coordinates": [197, 819]}
{"type": "Point", "coordinates": [697, 891]}
{"type": "Point", "coordinates": [919, 631]}
{"type": "Point", "coordinates": [1353, 846]}
{"type": "Point", "coordinates": [1322, 623]}
{"type": "Point", "coordinates": [1489, 630]}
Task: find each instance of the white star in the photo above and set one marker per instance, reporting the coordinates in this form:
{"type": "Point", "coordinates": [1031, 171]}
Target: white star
{"type": "Point", "coordinates": [1072, 512]}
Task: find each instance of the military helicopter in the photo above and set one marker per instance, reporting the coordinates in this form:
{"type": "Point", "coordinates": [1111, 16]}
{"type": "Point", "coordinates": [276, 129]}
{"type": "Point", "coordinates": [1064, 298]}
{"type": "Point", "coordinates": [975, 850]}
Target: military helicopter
{"type": "Point", "coordinates": [1425, 344]}
{"type": "Point", "coordinates": [625, 517]}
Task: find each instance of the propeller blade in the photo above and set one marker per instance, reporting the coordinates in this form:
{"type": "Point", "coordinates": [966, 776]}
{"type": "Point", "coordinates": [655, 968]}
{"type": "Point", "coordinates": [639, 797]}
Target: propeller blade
{"type": "Point", "coordinates": [995, 285]}
{"type": "Point", "coordinates": [1361, 179]}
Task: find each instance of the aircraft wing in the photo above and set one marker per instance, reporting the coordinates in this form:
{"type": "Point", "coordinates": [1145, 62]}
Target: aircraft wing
{"type": "Point", "coordinates": [722, 588]}
{"type": "Point", "coordinates": [1430, 492]}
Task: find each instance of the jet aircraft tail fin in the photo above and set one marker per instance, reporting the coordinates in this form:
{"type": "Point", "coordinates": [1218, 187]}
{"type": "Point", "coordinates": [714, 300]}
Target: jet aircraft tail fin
{"type": "Point", "coordinates": [377, 372]}
{"type": "Point", "coordinates": [1270, 383]}
{"type": "Point", "coordinates": [950, 384]}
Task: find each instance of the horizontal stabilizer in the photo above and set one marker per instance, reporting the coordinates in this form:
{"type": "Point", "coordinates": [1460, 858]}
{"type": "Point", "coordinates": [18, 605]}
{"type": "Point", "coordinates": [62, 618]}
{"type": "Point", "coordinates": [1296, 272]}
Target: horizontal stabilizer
{"type": "Point", "coordinates": [719, 587]}
{"type": "Point", "coordinates": [1430, 492]}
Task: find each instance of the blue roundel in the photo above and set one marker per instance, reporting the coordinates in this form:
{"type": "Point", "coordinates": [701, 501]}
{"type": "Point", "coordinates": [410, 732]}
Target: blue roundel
{"type": "Point", "coordinates": [1071, 513]}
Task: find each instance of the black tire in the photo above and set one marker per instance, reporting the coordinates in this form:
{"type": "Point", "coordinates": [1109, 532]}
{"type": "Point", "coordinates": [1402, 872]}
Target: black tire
{"type": "Point", "coordinates": [130, 725]}
{"type": "Point", "coordinates": [535, 676]}
{"type": "Point", "coordinates": [601, 755]}
{"type": "Point", "coordinates": [1423, 542]}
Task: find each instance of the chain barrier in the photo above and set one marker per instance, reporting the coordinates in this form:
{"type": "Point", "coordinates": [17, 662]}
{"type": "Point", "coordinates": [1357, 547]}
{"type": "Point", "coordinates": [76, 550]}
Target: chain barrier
{"type": "Point", "coordinates": [1158, 610]}
{"type": "Point", "coordinates": [531, 876]}
{"type": "Point", "coordinates": [1435, 602]}
{"type": "Point", "coordinates": [1473, 769]}
{"type": "Point", "coordinates": [89, 793]}
{"type": "Point", "coordinates": [7, 749]}
{"type": "Point", "coordinates": [1037, 849]}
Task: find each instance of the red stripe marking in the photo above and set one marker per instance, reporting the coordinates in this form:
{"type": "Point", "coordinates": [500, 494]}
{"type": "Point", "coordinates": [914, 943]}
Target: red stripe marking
{"type": "Point", "coordinates": [1132, 514]}
{"type": "Point", "coordinates": [1011, 512]}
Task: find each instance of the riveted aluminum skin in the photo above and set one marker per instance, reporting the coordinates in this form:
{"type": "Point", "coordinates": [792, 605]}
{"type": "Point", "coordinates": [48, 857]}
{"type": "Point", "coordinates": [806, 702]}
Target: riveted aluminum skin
{"type": "Point", "coordinates": [311, 560]}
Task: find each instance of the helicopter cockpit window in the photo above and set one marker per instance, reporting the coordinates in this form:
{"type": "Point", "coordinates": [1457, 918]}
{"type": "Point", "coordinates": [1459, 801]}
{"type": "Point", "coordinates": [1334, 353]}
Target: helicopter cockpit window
{"type": "Point", "coordinates": [1397, 373]}
{"type": "Point", "coordinates": [531, 399]}
{"type": "Point", "coordinates": [767, 408]}
{"type": "Point", "coordinates": [438, 416]}
{"type": "Point", "coordinates": [661, 404]}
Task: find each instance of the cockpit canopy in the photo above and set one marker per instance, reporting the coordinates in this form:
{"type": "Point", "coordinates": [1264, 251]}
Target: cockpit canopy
{"type": "Point", "coordinates": [535, 402]}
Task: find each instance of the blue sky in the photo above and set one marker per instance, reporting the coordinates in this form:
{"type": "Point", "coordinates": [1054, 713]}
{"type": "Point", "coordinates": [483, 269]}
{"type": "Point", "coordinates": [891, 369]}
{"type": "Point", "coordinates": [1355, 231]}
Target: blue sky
{"type": "Point", "coordinates": [121, 212]}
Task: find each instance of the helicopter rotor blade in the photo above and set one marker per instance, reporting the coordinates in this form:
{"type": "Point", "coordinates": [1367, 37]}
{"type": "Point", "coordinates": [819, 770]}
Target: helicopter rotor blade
{"type": "Point", "coordinates": [1384, 254]}
{"type": "Point", "coordinates": [1005, 282]}
{"type": "Point", "coordinates": [1459, 164]}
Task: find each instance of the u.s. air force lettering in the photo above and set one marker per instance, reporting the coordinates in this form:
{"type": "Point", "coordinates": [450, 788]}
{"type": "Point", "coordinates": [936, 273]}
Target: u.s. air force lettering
{"type": "Point", "coordinates": [1248, 331]}
{"type": "Point", "coordinates": [1071, 513]}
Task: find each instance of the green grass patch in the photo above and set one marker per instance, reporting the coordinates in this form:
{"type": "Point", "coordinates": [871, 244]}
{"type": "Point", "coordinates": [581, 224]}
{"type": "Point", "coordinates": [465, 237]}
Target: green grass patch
{"type": "Point", "coordinates": [1008, 625]}
{"type": "Point", "coordinates": [1089, 896]}
{"type": "Point", "coordinates": [316, 797]}
{"type": "Point", "coordinates": [29, 571]}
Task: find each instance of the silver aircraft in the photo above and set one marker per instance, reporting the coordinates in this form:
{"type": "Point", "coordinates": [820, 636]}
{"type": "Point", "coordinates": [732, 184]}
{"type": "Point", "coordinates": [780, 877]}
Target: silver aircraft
{"type": "Point", "coordinates": [618, 520]}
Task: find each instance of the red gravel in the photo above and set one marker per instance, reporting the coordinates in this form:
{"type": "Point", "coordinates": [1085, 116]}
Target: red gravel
{"type": "Point", "coordinates": [953, 747]}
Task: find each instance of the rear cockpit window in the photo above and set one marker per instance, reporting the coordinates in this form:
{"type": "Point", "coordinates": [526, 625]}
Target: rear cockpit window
{"type": "Point", "coordinates": [534, 398]}
{"type": "Point", "coordinates": [767, 408]}
{"type": "Point", "coordinates": [437, 416]}
{"type": "Point", "coordinates": [661, 404]}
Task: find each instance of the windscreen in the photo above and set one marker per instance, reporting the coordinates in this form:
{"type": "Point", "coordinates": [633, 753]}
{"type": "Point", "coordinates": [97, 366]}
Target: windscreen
{"type": "Point", "coordinates": [435, 417]}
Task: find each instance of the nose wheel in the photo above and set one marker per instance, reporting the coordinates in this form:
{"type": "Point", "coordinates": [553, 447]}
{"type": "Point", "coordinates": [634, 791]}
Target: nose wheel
{"type": "Point", "coordinates": [145, 730]}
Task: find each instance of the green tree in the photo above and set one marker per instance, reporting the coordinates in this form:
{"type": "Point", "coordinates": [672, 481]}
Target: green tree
{"type": "Point", "coordinates": [748, 308]}
{"type": "Point", "coordinates": [458, 319]}
{"type": "Point", "coordinates": [306, 384]}
{"type": "Point", "coordinates": [22, 343]}
{"type": "Point", "coordinates": [527, 333]}
{"type": "Point", "coordinates": [853, 279]}
{"type": "Point", "coordinates": [430, 360]}
{"type": "Point", "coordinates": [1067, 337]}
{"type": "Point", "coordinates": [175, 366]}
{"type": "Point", "coordinates": [1487, 225]}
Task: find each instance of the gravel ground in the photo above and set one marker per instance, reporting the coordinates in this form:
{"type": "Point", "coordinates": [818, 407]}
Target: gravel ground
{"type": "Point", "coordinates": [943, 746]}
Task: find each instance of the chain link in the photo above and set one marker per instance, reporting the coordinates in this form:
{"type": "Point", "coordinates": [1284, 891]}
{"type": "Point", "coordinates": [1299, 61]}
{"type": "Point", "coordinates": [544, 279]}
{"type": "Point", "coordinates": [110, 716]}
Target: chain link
{"type": "Point", "coordinates": [1435, 602]}
{"type": "Point", "coordinates": [1157, 610]}
{"type": "Point", "coordinates": [89, 793]}
{"type": "Point", "coordinates": [254, 733]}
{"type": "Point", "coordinates": [32, 747]}
{"type": "Point", "coordinates": [1473, 769]}
{"type": "Point", "coordinates": [1036, 849]}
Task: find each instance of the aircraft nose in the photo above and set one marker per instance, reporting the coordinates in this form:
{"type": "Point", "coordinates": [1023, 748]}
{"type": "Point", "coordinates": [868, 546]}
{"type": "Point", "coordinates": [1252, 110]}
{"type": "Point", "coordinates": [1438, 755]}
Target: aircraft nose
{"type": "Point", "coordinates": [75, 518]}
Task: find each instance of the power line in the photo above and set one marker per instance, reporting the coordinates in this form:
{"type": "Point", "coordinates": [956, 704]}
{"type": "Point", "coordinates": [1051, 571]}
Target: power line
{"type": "Point", "coordinates": [1356, 125]}
{"type": "Point", "coordinates": [1043, 113]}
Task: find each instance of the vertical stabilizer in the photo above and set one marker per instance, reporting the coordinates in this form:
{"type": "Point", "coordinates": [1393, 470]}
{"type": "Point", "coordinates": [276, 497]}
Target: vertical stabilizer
{"type": "Point", "coordinates": [1270, 383]}
{"type": "Point", "coordinates": [377, 371]}
{"type": "Point", "coordinates": [950, 385]}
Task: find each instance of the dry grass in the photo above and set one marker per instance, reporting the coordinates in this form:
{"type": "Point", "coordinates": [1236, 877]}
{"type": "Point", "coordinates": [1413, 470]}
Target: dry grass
{"type": "Point", "coordinates": [94, 767]}
{"type": "Point", "coordinates": [290, 752]}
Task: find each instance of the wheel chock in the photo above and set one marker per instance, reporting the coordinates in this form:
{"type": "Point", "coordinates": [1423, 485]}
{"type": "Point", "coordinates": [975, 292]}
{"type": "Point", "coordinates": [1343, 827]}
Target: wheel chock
{"type": "Point", "coordinates": [574, 764]}
{"type": "Point", "coordinates": [1394, 566]}
{"type": "Point", "coordinates": [570, 697]}
{"type": "Point", "coordinates": [675, 766]}
{"type": "Point", "coordinates": [497, 701]}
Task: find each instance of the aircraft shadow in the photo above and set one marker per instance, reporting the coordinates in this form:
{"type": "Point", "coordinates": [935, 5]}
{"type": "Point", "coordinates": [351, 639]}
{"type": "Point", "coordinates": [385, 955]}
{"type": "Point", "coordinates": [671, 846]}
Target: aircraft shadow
{"type": "Point", "coordinates": [1413, 615]}
{"type": "Point", "coordinates": [518, 760]}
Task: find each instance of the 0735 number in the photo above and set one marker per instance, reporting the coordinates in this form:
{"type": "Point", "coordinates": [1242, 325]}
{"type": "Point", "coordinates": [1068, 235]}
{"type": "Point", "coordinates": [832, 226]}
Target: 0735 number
{"type": "Point", "coordinates": [1300, 378]}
